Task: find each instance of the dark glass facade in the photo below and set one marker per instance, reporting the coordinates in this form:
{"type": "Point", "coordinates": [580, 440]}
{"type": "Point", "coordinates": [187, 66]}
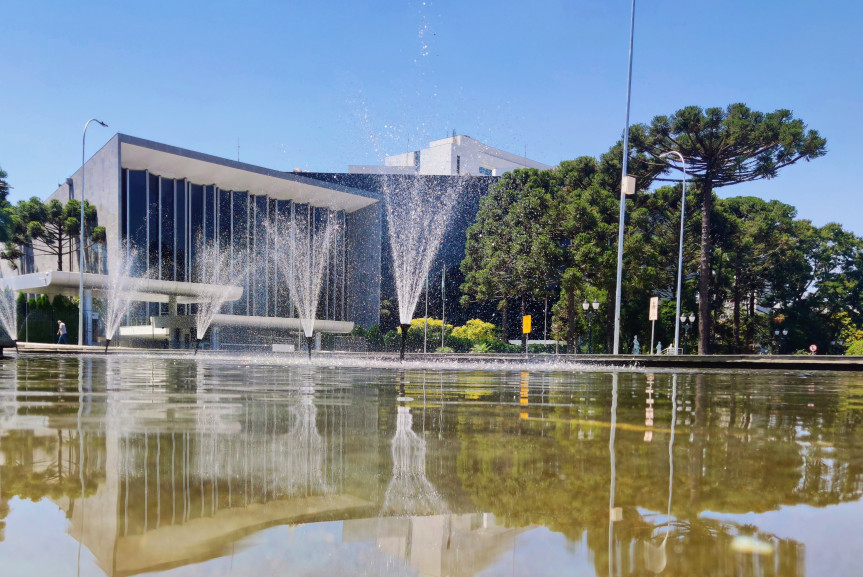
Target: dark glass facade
{"type": "Point", "coordinates": [163, 218]}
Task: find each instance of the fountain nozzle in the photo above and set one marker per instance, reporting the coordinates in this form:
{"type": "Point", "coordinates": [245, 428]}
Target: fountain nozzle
{"type": "Point", "coordinates": [107, 343]}
{"type": "Point", "coordinates": [405, 328]}
{"type": "Point", "coordinates": [310, 342]}
{"type": "Point", "coordinates": [197, 344]}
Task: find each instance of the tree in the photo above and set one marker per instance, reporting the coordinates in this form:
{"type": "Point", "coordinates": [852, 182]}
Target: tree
{"type": "Point", "coordinates": [51, 228]}
{"type": "Point", "coordinates": [510, 251]}
{"type": "Point", "coordinates": [5, 213]}
{"type": "Point", "coordinates": [724, 147]}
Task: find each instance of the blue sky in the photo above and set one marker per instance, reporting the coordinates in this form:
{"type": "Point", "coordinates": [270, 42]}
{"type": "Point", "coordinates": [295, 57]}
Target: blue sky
{"type": "Point", "coordinates": [319, 86]}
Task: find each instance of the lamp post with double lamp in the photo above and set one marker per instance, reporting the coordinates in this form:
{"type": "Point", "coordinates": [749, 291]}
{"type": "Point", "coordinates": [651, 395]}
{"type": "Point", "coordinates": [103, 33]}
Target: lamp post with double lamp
{"type": "Point", "coordinates": [587, 306]}
{"type": "Point", "coordinates": [81, 246]}
{"type": "Point", "coordinates": [686, 327]}
{"type": "Point", "coordinates": [680, 158]}
{"type": "Point", "coordinates": [784, 333]}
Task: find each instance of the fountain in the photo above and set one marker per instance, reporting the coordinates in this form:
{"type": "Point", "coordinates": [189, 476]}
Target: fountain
{"type": "Point", "coordinates": [9, 313]}
{"type": "Point", "coordinates": [217, 269]}
{"type": "Point", "coordinates": [418, 213]}
{"type": "Point", "coordinates": [302, 259]}
{"type": "Point", "coordinates": [118, 296]}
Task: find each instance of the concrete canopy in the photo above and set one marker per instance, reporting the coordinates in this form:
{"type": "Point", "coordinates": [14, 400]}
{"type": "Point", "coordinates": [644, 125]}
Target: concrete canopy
{"type": "Point", "coordinates": [144, 290]}
{"type": "Point", "coordinates": [173, 162]}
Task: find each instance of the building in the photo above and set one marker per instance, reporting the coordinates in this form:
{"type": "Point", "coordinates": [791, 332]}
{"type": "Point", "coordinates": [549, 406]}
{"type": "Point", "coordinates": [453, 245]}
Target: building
{"type": "Point", "coordinates": [458, 155]}
{"type": "Point", "coordinates": [162, 198]}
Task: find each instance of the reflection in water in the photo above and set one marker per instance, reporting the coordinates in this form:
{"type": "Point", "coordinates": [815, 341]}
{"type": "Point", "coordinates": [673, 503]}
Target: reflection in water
{"type": "Point", "coordinates": [165, 463]}
{"type": "Point", "coordinates": [409, 491]}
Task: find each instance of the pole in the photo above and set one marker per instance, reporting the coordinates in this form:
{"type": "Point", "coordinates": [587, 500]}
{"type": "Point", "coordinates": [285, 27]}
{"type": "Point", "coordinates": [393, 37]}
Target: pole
{"type": "Point", "coordinates": [590, 334]}
{"type": "Point", "coordinates": [443, 306]}
{"type": "Point", "coordinates": [426, 323]}
{"type": "Point", "coordinates": [81, 246]}
{"type": "Point", "coordinates": [652, 329]}
{"type": "Point", "coordinates": [617, 293]}
{"type": "Point", "coordinates": [680, 257]}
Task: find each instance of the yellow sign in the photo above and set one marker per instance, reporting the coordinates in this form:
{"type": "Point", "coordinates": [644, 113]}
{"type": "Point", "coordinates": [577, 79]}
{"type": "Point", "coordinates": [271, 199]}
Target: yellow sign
{"type": "Point", "coordinates": [525, 324]}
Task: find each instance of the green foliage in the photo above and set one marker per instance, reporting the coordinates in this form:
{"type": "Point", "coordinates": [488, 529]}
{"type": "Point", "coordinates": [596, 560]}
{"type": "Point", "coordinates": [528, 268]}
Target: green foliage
{"type": "Point", "coordinates": [476, 330]}
{"type": "Point", "coordinates": [37, 318]}
{"type": "Point", "coordinates": [444, 350]}
{"type": "Point", "coordinates": [51, 229]}
{"type": "Point", "coordinates": [855, 348]}
{"type": "Point", "coordinates": [482, 347]}
{"type": "Point", "coordinates": [723, 147]}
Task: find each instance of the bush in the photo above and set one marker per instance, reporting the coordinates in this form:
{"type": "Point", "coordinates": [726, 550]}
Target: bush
{"type": "Point", "coordinates": [481, 348]}
{"type": "Point", "coordinates": [444, 350]}
{"type": "Point", "coordinates": [855, 348]}
{"type": "Point", "coordinates": [477, 331]}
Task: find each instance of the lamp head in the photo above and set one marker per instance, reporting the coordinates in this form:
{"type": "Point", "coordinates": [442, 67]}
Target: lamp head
{"type": "Point", "coordinates": [683, 318]}
{"type": "Point", "coordinates": [692, 318]}
{"type": "Point", "coordinates": [784, 332]}
{"type": "Point", "coordinates": [100, 122]}
{"type": "Point", "coordinates": [595, 305]}
{"type": "Point", "coordinates": [585, 305]}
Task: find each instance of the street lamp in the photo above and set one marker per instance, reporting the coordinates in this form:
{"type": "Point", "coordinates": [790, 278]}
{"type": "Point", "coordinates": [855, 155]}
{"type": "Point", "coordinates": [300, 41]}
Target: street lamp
{"type": "Point", "coordinates": [626, 184]}
{"type": "Point", "coordinates": [686, 327]}
{"type": "Point", "coordinates": [680, 158]}
{"type": "Point", "coordinates": [81, 248]}
{"type": "Point", "coordinates": [587, 306]}
{"type": "Point", "coordinates": [784, 333]}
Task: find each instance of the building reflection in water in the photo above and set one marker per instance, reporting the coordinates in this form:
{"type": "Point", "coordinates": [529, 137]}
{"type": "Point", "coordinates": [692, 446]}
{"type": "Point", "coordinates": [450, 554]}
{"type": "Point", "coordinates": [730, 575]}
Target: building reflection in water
{"type": "Point", "coordinates": [171, 463]}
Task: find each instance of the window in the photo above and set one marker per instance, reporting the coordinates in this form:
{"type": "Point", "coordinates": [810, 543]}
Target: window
{"type": "Point", "coordinates": [486, 171]}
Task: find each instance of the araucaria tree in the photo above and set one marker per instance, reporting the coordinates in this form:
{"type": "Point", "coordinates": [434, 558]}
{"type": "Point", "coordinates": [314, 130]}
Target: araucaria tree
{"type": "Point", "coordinates": [51, 228]}
{"type": "Point", "coordinates": [723, 147]}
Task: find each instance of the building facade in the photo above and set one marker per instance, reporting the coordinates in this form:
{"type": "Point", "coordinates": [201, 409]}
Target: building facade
{"type": "Point", "coordinates": [163, 200]}
{"type": "Point", "coordinates": [458, 155]}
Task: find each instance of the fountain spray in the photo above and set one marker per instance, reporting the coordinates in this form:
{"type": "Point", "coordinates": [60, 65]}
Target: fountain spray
{"type": "Point", "coordinates": [418, 212]}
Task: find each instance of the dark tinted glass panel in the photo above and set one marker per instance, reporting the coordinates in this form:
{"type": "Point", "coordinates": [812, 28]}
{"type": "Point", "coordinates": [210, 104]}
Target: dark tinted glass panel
{"type": "Point", "coordinates": [210, 212]}
{"type": "Point", "coordinates": [124, 221]}
{"type": "Point", "coordinates": [138, 218]}
{"type": "Point", "coordinates": [167, 222]}
{"type": "Point", "coordinates": [283, 308]}
{"type": "Point", "coordinates": [240, 205]}
{"type": "Point", "coordinates": [260, 264]}
{"type": "Point", "coordinates": [153, 225]}
{"type": "Point", "coordinates": [196, 215]}
{"type": "Point", "coordinates": [225, 218]}
{"type": "Point", "coordinates": [180, 230]}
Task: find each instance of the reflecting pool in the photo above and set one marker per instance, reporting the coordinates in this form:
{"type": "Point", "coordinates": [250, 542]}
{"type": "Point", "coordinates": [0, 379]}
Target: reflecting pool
{"type": "Point", "coordinates": [213, 466]}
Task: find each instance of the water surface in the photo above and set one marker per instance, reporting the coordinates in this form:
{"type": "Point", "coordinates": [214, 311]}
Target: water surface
{"type": "Point", "coordinates": [189, 467]}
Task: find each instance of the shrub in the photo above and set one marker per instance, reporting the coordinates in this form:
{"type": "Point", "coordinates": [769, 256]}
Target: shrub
{"type": "Point", "coordinates": [855, 348]}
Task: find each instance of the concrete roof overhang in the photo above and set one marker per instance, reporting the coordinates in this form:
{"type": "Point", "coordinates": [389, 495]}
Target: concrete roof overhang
{"type": "Point", "coordinates": [256, 322]}
{"type": "Point", "coordinates": [141, 289]}
{"type": "Point", "coordinates": [173, 162]}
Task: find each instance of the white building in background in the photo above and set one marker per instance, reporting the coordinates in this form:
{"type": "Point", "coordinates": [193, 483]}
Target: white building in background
{"type": "Point", "coordinates": [455, 155]}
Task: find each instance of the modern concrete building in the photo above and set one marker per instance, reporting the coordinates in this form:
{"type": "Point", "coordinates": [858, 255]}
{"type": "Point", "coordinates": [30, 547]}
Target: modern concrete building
{"type": "Point", "coordinates": [457, 155]}
{"type": "Point", "coordinates": [162, 198]}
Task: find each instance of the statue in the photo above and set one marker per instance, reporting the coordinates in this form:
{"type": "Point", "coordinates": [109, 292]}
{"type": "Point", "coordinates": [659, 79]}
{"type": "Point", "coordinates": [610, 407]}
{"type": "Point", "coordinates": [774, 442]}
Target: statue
{"type": "Point", "coordinates": [636, 347]}
{"type": "Point", "coordinates": [659, 348]}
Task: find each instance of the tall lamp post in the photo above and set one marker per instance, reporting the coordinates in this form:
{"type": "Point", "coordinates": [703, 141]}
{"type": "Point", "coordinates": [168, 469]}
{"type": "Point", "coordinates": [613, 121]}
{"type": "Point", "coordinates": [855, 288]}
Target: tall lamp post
{"type": "Point", "coordinates": [587, 306]}
{"type": "Point", "coordinates": [81, 246]}
{"type": "Point", "coordinates": [680, 158]}
{"type": "Point", "coordinates": [626, 184]}
{"type": "Point", "coordinates": [686, 327]}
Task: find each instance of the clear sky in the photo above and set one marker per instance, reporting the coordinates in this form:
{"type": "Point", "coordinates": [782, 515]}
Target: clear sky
{"type": "Point", "coordinates": [319, 86]}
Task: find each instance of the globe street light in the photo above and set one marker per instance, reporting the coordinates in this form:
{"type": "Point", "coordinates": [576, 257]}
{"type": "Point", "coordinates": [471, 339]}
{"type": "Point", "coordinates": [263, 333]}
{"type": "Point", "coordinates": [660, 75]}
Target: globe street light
{"type": "Point", "coordinates": [81, 249]}
{"type": "Point", "coordinates": [680, 158]}
{"type": "Point", "coordinates": [686, 327]}
{"type": "Point", "coordinates": [587, 306]}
